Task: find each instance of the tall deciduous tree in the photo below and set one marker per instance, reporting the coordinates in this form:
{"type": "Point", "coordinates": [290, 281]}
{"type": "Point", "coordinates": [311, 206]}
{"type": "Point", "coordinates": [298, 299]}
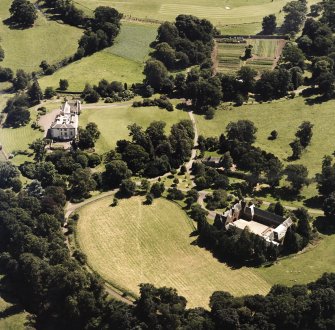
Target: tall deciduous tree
{"type": "Point", "coordinates": [23, 13]}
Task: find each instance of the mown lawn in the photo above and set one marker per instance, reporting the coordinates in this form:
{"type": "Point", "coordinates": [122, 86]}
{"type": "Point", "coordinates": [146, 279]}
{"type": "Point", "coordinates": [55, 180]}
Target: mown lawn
{"type": "Point", "coordinates": [302, 268]}
{"type": "Point", "coordinates": [101, 65]}
{"type": "Point", "coordinates": [285, 117]}
{"type": "Point", "coordinates": [46, 40]}
{"type": "Point", "coordinates": [134, 243]}
{"type": "Point", "coordinates": [113, 121]}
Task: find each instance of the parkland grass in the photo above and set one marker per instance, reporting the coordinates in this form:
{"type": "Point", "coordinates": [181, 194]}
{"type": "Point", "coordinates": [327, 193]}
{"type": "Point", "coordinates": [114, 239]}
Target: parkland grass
{"type": "Point", "coordinates": [46, 40]}
{"type": "Point", "coordinates": [134, 243]}
{"type": "Point", "coordinates": [283, 116]}
{"type": "Point", "coordinates": [101, 65]}
{"type": "Point", "coordinates": [113, 121]}
{"type": "Point", "coordinates": [230, 16]}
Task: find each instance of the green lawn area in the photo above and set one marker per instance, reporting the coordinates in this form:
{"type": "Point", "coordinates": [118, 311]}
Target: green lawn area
{"type": "Point", "coordinates": [133, 42]}
{"type": "Point", "coordinates": [101, 65]}
{"type": "Point", "coordinates": [302, 268]}
{"type": "Point", "coordinates": [134, 243]}
{"type": "Point", "coordinates": [284, 116]}
{"type": "Point", "coordinates": [46, 40]}
{"type": "Point", "coordinates": [113, 121]}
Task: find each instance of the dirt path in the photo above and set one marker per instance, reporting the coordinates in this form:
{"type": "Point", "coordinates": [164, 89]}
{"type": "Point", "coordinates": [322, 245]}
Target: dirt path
{"type": "Point", "coordinates": [215, 58]}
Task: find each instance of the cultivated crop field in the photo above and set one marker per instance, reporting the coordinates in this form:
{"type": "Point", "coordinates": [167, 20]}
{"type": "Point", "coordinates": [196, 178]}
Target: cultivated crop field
{"type": "Point", "coordinates": [113, 120]}
{"type": "Point", "coordinates": [264, 51]}
{"type": "Point", "coordinates": [134, 243]}
{"type": "Point", "coordinates": [46, 40]}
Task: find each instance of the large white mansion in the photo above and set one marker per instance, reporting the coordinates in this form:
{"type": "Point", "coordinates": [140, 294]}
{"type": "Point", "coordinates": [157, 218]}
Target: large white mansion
{"type": "Point", "coordinates": [65, 126]}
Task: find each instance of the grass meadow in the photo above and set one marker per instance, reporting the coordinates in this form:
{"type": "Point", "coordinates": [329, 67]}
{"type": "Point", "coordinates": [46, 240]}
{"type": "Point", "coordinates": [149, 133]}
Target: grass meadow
{"type": "Point", "coordinates": [124, 61]}
{"type": "Point", "coordinates": [134, 243]}
{"type": "Point", "coordinates": [284, 116]}
{"type": "Point", "coordinates": [231, 16]}
{"type": "Point", "coordinates": [113, 121]}
{"type": "Point", "coordinates": [46, 40]}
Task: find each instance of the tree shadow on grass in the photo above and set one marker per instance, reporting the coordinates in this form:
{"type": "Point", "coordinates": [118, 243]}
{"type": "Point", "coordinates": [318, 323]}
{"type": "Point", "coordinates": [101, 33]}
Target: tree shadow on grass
{"type": "Point", "coordinates": [314, 202]}
{"type": "Point", "coordinates": [324, 225]}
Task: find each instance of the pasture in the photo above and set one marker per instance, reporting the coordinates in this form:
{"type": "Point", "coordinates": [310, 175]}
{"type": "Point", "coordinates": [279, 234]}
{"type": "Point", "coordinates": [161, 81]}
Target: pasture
{"type": "Point", "coordinates": [284, 116]}
{"type": "Point", "coordinates": [113, 119]}
{"type": "Point", "coordinates": [230, 16]}
{"type": "Point", "coordinates": [134, 243]}
{"type": "Point", "coordinates": [46, 40]}
{"type": "Point", "coordinates": [101, 65]}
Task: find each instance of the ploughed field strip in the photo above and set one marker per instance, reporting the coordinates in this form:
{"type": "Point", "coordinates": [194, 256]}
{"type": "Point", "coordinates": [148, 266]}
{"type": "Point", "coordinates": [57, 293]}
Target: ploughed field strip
{"type": "Point", "coordinates": [230, 54]}
{"type": "Point", "coordinates": [134, 243]}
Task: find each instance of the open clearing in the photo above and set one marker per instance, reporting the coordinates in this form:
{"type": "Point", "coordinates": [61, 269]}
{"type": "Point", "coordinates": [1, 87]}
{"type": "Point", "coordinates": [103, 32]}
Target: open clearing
{"type": "Point", "coordinates": [284, 116]}
{"type": "Point", "coordinates": [46, 40]}
{"type": "Point", "coordinates": [112, 121]}
{"type": "Point", "coordinates": [135, 243]}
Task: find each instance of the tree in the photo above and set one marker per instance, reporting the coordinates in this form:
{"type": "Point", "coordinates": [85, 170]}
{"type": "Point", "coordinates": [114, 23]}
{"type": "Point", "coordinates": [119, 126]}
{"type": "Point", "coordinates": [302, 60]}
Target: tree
{"type": "Point", "coordinates": [89, 94]}
{"type": "Point", "coordinates": [63, 84]}
{"type": "Point", "coordinates": [157, 189]}
{"type": "Point", "coordinates": [21, 81]}
{"type": "Point", "coordinates": [295, 16]}
{"type": "Point", "coordinates": [293, 56]}
{"type": "Point", "coordinates": [329, 205]}
{"type": "Point", "coordinates": [8, 173]}
{"type": "Point", "coordinates": [116, 171]}
{"type": "Point", "coordinates": [88, 136]}
{"type": "Point", "coordinates": [156, 74]}
{"type": "Point", "coordinates": [297, 175]}
{"type": "Point", "coordinates": [273, 135]}
{"type": "Point", "coordinates": [2, 54]}
{"type": "Point", "coordinates": [296, 149]}
{"type": "Point", "coordinates": [269, 24]}
{"type": "Point", "coordinates": [23, 13]}
{"type": "Point", "coordinates": [127, 188]}
{"type": "Point", "coordinates": [49, 92]}
{"type": "Point", "coordinates": [242, 130]}
{"type": "Point", "coordinates": [81, 183]}
{"type": "Point", "coordinates": [38, 147]}
{"type": "Point", "coordinates": [35, 189]}
{"type": "Point", "coordinates": [305, 133]}
{"type": "Point", "coordinates": [18, 116]}
{"type": "Point", "coordinates": [35, 93]}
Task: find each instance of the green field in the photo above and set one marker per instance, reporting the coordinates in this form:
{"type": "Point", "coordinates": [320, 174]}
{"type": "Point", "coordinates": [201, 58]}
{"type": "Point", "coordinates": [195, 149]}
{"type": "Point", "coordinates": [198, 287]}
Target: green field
{"type": "Point", "coordinates": [46, 40]}
{"type": "Point", "coordinates": [101, 65]}
{"type": "Point", "coordinates": [133, 42]}
{"type": "Point", "coordinates": [231, 16]}
{"type": "Point", "coordinates": [134, 243]}
{"type": "Point", "coordinates": [285, 117]}
{"type": "Point", "coordinates": [113, 121]}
